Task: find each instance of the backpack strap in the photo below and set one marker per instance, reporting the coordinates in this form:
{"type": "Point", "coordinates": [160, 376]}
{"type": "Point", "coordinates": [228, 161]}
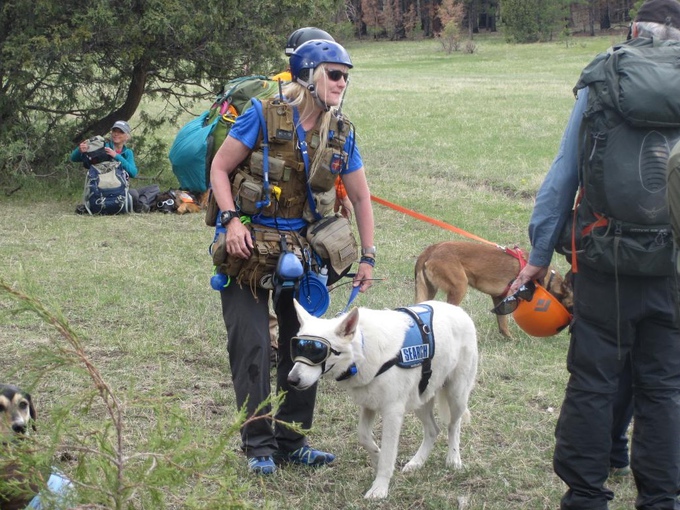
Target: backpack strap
{"type": "Point", "coordinates": [302, 142]}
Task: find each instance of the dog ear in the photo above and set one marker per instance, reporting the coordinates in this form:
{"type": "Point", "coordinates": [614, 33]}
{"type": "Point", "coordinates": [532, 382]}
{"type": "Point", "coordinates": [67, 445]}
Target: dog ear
{"type": "Point", "coordinates": [302, 314]}
{"type": "Point", "coordinates": [349, 324]}
{"type": "Point", "coordinates": [31, 408]}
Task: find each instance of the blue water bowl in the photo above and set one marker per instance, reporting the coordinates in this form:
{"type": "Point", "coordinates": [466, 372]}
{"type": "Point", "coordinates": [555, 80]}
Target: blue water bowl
{"type": "Point", "coordinates": [313, 295]}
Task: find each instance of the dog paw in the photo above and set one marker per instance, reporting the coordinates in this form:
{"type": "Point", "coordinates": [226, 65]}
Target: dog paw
{"type": "Point", "coordinates": [378, 491]}
{"type": "Point", "coordinates": [454, 462]}
{"type": "Point", "coordinates": [411, 465]}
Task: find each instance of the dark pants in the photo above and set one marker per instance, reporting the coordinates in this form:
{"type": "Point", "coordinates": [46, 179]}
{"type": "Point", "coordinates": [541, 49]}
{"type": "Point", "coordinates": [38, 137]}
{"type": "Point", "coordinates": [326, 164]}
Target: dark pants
{"type": "Point", "coordinates": [143, 198]}
{"type": "Point", "coordinates": [617, 318]}
{"type": "Point", "coordinates": [249, 346]}
{"type": "Point", "coordinates": [623, 414]}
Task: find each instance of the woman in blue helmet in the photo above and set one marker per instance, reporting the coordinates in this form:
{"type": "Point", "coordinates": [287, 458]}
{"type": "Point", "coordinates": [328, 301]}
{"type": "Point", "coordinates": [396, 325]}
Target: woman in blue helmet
{"type": "Point", "coordinates": [319, 77]}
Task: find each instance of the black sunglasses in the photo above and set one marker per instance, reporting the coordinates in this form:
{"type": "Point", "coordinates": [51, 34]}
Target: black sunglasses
{"type": "Point", "coordinates": [310, 350]}
{"type": "Point", "coordinates": [510, 303]}
{"type": "Point", "coordinates": [336, 74]}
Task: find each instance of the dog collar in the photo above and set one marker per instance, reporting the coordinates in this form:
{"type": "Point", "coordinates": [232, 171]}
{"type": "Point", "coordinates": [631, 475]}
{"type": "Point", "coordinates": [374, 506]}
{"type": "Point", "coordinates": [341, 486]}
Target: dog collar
{"type": "Point", "coordinates": [351, 370]}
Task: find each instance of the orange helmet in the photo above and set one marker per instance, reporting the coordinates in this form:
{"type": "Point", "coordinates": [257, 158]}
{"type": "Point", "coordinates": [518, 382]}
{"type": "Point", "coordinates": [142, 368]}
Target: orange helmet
{"type": "Point", "coordinates": [543, 315]}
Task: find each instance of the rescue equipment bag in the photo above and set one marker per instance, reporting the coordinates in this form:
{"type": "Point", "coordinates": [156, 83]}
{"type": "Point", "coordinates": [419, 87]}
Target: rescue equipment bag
{"type": "Point", "coordinates": [631, 121]}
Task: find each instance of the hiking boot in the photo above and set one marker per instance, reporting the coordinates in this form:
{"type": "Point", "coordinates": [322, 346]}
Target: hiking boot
{"type": "Point", "coordinates": [261, 465]}
{"type": "Point", "coordinates": [619, 471]}
{"type": "Point", "coordinates": [306, 456]}
{"type": "Point", "coordinates": [80, 209]}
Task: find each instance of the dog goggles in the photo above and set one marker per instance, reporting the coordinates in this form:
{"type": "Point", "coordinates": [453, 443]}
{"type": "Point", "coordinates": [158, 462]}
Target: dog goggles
{"type": "Point", "coordinates": [510, 303]}
{"type": "Point", "coordinates": [310, 350]}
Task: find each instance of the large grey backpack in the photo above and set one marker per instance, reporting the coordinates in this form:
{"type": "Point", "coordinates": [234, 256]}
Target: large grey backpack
{"type": "Point", "coordinates": [631, 122]}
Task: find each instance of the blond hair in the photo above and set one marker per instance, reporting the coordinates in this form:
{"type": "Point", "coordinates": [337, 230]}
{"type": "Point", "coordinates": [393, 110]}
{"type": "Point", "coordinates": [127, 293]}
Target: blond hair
{"type": "Point", "coordinates": [298, 95]}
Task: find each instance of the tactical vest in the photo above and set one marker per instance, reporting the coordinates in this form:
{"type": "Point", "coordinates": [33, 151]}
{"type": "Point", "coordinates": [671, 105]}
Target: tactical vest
{"type": "Point", "coordinates": [631, 122]}
{"type": "Point", "coordinates": [291, 188]}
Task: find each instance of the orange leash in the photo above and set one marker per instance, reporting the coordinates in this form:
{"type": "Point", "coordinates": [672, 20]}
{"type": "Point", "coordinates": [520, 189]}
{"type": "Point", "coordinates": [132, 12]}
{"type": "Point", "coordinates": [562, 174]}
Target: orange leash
{"type": "Point", "coordinates": [427, 219]}
{"type": "Point", "coordinates": [516, 252]}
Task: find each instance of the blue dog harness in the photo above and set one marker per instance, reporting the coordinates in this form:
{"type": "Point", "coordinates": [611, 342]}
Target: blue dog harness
{"type": "Point", "coordinates": [418, 347]}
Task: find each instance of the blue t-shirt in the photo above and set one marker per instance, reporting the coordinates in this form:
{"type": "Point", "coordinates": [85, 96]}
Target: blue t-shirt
{"type": "Point", "coordinates": [246, 129]}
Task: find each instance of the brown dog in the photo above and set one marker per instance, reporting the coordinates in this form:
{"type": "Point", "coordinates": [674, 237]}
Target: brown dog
{"type": "Point", "coordinates": [16, 419]}
{"type": "Point", "coordinates": [452, 266]}
{"type": "Point", "coordinates": [16, 411]}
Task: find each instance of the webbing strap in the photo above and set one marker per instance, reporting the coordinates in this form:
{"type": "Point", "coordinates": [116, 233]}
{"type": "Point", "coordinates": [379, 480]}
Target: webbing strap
{"type": "Point", "coordinates": [265, 160]}
{"type": "Point", "coordinates": [302, 143]}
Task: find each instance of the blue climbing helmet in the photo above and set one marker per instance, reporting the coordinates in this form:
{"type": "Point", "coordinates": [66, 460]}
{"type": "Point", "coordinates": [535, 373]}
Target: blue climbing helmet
{"type": "Point", "coordinates": [309, 55]}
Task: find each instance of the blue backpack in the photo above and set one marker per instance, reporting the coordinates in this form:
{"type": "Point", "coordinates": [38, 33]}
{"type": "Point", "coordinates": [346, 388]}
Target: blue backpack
{"type": "Point", "coordinates": [107, 187]}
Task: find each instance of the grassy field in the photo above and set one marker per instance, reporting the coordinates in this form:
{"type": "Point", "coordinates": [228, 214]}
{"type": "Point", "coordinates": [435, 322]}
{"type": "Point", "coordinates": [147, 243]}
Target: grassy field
{"type": "Point", "coordinates": [464, 138]}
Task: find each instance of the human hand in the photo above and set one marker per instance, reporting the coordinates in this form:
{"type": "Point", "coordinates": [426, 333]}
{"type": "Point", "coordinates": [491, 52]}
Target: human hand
{"type": "Point", "coordinates": [344, 205]}
{"type": "Point", "coordinates": [364, 277]}
{"type": "Point", "coordinates": [110, 152]}
{"type": "Point", "coordinates": [239, 242]}
{"type": "Point", "coordinates": [530, 272]}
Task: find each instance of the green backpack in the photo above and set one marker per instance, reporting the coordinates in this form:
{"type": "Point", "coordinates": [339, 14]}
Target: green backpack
{"type": "Point", "coordinates": [631, 122]}
{"type": "Point", "coordinates": [232, 103]}
{"type": "Point", "coordinates": [196, 143]}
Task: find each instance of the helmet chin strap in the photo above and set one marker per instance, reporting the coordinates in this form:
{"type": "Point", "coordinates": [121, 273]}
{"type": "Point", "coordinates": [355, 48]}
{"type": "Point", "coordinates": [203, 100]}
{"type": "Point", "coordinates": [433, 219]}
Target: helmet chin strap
{"type": "Point", "coordinates": [312, 91]}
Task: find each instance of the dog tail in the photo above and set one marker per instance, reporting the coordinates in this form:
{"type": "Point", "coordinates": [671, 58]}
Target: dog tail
{"type": "Point", "coordinates": [424, 288]}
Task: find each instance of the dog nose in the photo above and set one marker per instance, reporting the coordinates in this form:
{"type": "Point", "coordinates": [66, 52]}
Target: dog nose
{"type": "Point", "coordinates": [293, 381]}
{"type": "Point", "coordinates": [19, 429]}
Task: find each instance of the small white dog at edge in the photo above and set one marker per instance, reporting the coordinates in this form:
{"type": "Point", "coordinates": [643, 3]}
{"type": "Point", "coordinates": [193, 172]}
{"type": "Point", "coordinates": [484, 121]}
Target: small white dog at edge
{"type": "Point", "coordinates": [355, 347]}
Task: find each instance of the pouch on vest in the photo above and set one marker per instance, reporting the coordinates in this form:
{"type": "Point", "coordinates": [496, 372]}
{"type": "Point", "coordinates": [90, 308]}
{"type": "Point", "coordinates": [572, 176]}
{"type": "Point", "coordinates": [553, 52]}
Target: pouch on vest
{"type": "Point", "coordinates": [224, 262]}
{"type": "Point", "coordinates": [275, 166]}
{"type": "Point", "coordinates": [247, 193]}
{"type": "Point", "coordinates": [333, 240]}
{"type": "Point", "coordinates": [331, 163]}
{"type": "Point", "coordinates": [280, 126]}
{"type": "Point", "coordinates": [211, 209]}
{"type": "Point", "coordinates": [323, 203]}
{"type": "Point", "coordinates": [258, 270]}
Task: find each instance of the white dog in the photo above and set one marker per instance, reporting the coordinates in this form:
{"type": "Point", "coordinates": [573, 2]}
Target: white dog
{"type": "Point", "coordinates": [364, 351]}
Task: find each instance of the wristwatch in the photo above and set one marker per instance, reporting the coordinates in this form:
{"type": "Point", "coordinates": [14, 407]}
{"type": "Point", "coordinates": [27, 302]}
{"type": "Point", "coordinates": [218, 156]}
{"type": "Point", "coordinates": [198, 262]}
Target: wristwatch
{"type": "Point", "coordinates": [368, 252]}
{"type": "Point", "coordinates": [227, 216]}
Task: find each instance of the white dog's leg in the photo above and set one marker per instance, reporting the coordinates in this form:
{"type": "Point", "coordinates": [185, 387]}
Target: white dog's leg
{"type": "Point", "coordinates": [391, 427]}
{"type": "Point", "coordinates": [430, 432]}
{"type": "Point", "coordinates": [457, 407]}
{"type": "Point", "coordinates": [365, 430]}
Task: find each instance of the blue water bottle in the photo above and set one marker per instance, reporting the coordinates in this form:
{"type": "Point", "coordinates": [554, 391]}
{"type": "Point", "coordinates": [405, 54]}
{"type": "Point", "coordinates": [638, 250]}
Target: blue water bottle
{"type": "Point", "coordinates": [219, 281]}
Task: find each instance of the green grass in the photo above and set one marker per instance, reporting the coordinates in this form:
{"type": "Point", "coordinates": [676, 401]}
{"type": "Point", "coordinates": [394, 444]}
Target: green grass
{"type": "Point", "coordinates": [463, 138]}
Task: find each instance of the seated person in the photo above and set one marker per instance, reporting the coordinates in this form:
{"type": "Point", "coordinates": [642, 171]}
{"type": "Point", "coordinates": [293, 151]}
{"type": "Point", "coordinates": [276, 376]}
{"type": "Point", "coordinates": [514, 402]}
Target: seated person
{"type": "Point", "coordinates": [143, 197]}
